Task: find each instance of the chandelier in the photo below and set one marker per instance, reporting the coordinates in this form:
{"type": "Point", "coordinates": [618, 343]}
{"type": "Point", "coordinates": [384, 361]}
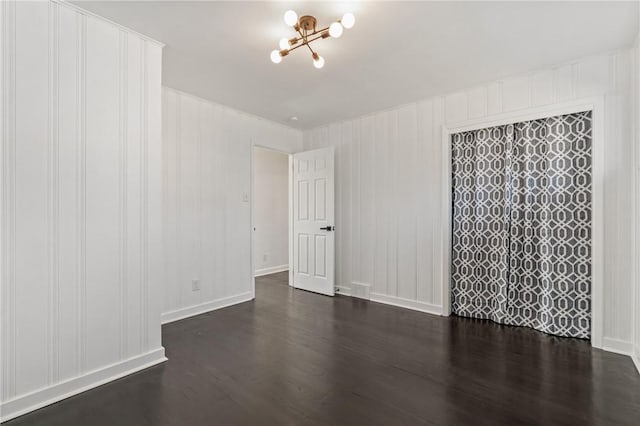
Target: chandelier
{"type": "Point", "coordinates": [308, 33]}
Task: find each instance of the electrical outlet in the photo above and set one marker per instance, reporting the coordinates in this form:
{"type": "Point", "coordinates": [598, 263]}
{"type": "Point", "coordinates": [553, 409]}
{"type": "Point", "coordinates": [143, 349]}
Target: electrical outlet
{"type": "Point", "coordinates": [195, 285]}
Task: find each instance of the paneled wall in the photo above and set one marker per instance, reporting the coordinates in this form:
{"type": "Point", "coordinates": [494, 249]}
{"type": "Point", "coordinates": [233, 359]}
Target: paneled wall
{"type": "Point", "coordinates": [81, 235]}
{"type": "Point", "coordinates": [636, 92]}
{"type": "Point", "coordinates": [207, 183]}
{"type": "Point", "coordinates": [389, 185]}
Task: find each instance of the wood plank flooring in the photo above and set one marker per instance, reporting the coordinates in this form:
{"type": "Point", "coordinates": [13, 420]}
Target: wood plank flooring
{"type": "Point", "coordinates": [297, 358]}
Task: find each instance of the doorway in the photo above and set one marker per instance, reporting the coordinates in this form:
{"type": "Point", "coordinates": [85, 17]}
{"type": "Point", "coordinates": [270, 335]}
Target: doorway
{"type": "Point", "coordinates": [270, 212]}
{"type": "Point", "coordinates": [292, 218]}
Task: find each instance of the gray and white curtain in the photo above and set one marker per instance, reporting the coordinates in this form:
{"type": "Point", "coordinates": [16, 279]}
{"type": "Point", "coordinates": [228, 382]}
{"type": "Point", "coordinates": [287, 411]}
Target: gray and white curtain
{"type": "Point", "coordinates": [521, 241]}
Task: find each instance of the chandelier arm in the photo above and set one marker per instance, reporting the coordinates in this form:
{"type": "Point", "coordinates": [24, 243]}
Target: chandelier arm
{"type": "Point", "coordinates": [318, 31]}
{"type": "Point", "coordinates": [295, 47]}
{"type": "Point", "coordinates": [305, 43]}
{"type": "Point", "coordinates": [303, 37]}
{"type": "Point", "coordinates": [309, 46]}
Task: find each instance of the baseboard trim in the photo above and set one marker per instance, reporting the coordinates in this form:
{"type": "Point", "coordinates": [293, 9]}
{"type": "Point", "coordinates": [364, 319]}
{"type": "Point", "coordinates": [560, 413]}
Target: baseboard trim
{"type": "Point", "coordinates": [618, 346]}
{"type": "Point", "coordinates": [203, 308]}
{"type": "Point", "coordinates": [636, 358]}
{"type": "Point", "coordinates": [46, 396]}
{"type": "Point", "coordinates": [406, 303]}
{"type": "Point", "coordinates": [343, 290]}
{"type": "Point", "coordinates": [270, 270]}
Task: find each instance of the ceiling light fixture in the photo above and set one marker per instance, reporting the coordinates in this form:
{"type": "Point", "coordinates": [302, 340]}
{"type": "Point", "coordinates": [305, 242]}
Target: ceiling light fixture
{"type": "Point", "coordinates": [305, 26]}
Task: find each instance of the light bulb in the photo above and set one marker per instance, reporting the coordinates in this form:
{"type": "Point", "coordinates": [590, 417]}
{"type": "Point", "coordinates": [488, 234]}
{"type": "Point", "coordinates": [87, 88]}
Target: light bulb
{"type": "Point", "coordinates": [284, 43]}
{"type": "Point", "coordinates": [275, 57]}
{"type": "Point", "coordinates": [318, 63]}
{"type": "Point", "coordinates": [290, 18]}
{"type": "Point", "coordinates": [348, 20]}
{"type": "Point", "coordinates": [335, 30]}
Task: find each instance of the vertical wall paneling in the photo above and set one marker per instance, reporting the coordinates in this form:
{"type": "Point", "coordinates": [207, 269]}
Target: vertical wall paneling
{"type": "Point", "coordinates": [516, 94]}
{"type": "Point", "coordinates": [636, 120]}
{"type": "Point", "coordinates": [132, 201]}
{"type": "Point", "coordinates": [82, 193]}
{"type": "Point", "coordinates": [154, 243]}
{"type": "Point", "coordinates": [53, 196]}
{"type": "Point", "coordinates": [425, 192]}
{"type": "Point", "coordinates": [81, 188]}
{"type": "Point", "coordinates": [494, 98]}
{"type": "Point", "coordinates": [206, 176]}
{"type": "Point", "coordinates": [32, 213]}
{"type": "Point", "coordinates": [477, 102]}
{"type": "Point", "coordinates": [101, 193]}
{"type": "Point", "coordinates": [406, 206]}
{"type": "Point", "coordinates": [351, 137]}
{"type": "Point", "coordinates": [437, 249]}
{"type": "Point", "coordinates": [392, 207]}
{"type": "Point", "coordinates": [9, 164]}
{"type": "Point", "coordinates": [541, 88]}
{"type": "Point", "coordinates": [122, 188]}
{"type": "Point", "coordinates": [381, 134]}
{"type": "Point", "coordinates": [405, 235]}
{"type": "Point", "coordinates": [143, 198]}
{"type": "Point", "coordinates": [67, 138]}
{"type": "Point", "coordinates": [367, 200]}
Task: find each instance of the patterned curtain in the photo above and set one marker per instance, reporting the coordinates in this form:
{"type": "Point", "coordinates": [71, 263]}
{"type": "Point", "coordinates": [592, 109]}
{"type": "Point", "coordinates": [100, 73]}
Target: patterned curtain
{"type": "Point", "coordinates": [521, 246]}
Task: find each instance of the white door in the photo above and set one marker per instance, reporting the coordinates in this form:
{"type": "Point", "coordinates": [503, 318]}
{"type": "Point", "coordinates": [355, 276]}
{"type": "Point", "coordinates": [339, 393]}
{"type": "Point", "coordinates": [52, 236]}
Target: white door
{"type": "Point", "coordinates": [313, 221]}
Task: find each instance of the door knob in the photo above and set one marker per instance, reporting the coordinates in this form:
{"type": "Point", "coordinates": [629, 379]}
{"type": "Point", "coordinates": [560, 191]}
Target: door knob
{"type": "Point", "coordinates": [328, 228]}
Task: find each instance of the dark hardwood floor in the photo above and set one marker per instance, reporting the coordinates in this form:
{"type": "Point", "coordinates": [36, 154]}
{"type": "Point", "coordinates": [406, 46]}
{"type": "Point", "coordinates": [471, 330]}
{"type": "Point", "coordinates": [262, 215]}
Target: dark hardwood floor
{"type": "Point", "coordinates": [297, 358]}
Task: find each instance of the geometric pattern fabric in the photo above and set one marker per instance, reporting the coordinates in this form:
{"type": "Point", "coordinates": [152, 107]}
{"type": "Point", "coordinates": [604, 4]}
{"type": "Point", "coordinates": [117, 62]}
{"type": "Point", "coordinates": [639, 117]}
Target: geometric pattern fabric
{"type": "Point", "coordinates": [521, 240]}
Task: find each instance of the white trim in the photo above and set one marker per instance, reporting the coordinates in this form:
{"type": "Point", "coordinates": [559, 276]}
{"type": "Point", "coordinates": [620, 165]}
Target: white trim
{"type": "Point", "coordinates": [203, 308]}
{"type": "Point", "coordinates": [636, 358]}
{"type": "Point", "coordinates": [290, 220]}
{"type": "Point", "coordinates": [90, 14]}
{"type": "Point", "coordinates": [252, 227]}
{"type": "Point", "coordinates": [445, 227]}
{"type": "Point", "coordinates": [343, 290]}
{"type": "Point", "coordinates": [271, 270]}
{"type": "Point", "coordinates": [406, 303]}
{"type": "Point", "coordinates": [42, 397]}
{"type": "Point", "coordinates": [618, 346]}
{"type": "Point", "coordinates": [594, 104]}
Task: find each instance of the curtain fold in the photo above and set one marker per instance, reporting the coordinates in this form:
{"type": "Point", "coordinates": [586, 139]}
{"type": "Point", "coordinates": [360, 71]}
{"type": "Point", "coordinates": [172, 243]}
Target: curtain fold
{"type": "Point", "coordinates": [521, 240]}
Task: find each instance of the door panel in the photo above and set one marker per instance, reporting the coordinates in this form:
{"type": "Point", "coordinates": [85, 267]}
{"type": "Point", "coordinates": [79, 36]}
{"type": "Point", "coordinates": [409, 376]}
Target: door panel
{"type": "Point", "coordinates": [313, 198]}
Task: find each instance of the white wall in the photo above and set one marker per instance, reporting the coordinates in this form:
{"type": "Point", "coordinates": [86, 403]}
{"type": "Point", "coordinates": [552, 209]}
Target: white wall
{"type": "Point", "coordinates": [207, 180]}
{"type": "Point", "coordinates": [271, 211]}
{"type": "Point", "coordinates": [389, 185]}
{"type": "Point", "coordinates": [80, 202]}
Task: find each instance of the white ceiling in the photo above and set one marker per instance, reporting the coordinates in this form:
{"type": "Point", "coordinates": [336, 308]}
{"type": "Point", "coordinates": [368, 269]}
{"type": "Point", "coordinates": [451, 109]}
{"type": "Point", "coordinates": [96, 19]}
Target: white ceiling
{"type": "Point", "coordinates": [397, 52]}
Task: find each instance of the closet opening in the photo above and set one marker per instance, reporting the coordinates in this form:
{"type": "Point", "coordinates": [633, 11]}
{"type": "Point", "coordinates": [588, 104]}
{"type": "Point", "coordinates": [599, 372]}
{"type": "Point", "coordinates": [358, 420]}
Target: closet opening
{"type": "Point", "coordinates": [524, 229]}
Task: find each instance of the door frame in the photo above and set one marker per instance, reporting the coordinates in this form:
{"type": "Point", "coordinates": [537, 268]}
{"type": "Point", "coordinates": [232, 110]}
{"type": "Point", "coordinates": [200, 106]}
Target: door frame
{"type": "Point", "coordinates": [596, 106]}
{"type": "Point", "coordinates": [252, 262]}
